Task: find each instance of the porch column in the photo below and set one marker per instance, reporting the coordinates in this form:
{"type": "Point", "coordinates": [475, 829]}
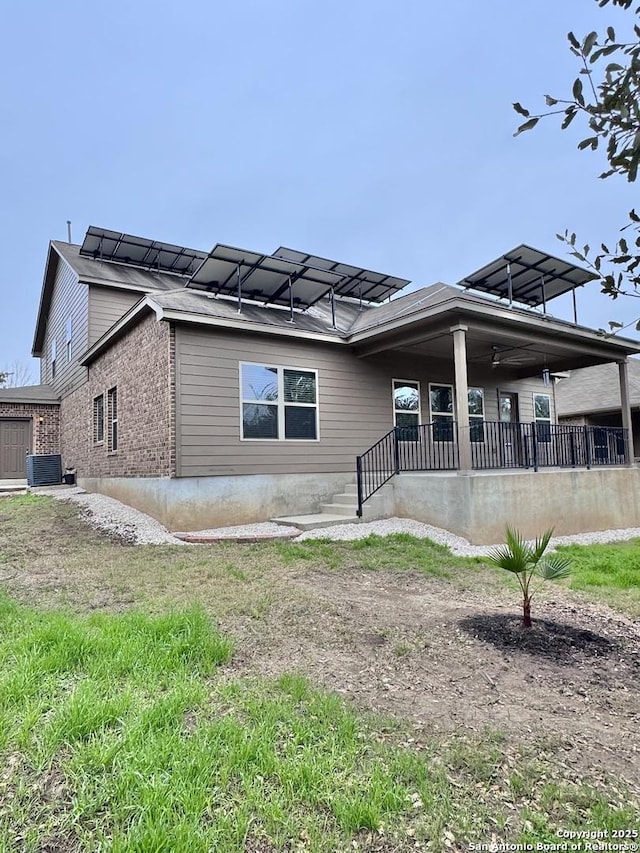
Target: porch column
{"type": "Point", "coordinates": [459, 333]}
{"type": "Point", "coordinates": [625, 402]}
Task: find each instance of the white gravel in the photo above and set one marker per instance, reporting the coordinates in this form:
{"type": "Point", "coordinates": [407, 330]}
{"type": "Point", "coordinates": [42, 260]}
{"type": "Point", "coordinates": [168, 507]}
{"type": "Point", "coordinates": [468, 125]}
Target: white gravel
{"type": "Point", "coordinates": [113, 517]}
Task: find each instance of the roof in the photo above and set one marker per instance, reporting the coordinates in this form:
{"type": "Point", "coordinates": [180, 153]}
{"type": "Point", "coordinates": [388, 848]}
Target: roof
{"type": "Point", "coordinates": [596, 389]}
{"type": "Point", "coordinates": [33, 394]}
{"type": "Point", "coordinates": [115, 275]}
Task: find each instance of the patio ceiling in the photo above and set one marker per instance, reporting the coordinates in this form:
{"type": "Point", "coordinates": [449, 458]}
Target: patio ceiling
{"type": "Point", "coordinates": [509, 346]}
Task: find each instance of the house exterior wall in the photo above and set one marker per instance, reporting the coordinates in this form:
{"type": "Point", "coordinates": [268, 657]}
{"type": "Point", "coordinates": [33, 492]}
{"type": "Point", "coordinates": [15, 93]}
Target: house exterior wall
{"type": "Point", "coordinates": [106, 306]}
{"type": "Point", "coordinates": [140, 366]}
{"type": "Point", "coordinates": [69, 303]}
{"type": "Point", "coordinates": [45, 434]}
{"type": "Point", "coordinates": [354, 399]}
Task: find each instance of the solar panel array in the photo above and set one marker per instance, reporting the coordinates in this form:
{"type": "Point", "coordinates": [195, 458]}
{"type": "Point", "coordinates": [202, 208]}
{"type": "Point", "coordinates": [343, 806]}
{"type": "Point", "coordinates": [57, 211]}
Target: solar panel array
{"type": "Point", "coordinates": [284, 278]}
{"type": "Point", "coordinates": [528, 268]}
{"type": "Point", "coordinates": [104, 245]}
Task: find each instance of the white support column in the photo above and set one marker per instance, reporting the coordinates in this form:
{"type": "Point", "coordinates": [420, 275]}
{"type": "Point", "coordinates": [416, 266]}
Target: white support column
{"type": "Point", "coordinates": [625, 402]}
{"type": "Point", "coordinates": [459, 333]}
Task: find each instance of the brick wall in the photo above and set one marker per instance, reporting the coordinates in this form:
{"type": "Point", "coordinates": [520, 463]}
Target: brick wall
{"type": "Point", "coordinates": [45, 426]}
{"type": "Point", "coordinates": [141, 366]}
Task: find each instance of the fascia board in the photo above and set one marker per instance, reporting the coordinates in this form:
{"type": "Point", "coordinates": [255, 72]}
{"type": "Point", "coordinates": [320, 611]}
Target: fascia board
{"type": "Point", "coordinates": [624, 346]}
{"type": "Point", "coordinates": [247, 326]}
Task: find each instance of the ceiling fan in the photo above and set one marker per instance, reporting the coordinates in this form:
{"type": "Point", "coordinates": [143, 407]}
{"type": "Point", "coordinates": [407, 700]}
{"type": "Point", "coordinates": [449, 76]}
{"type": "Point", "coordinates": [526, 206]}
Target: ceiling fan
{"type": "Point", "coordinates": [509, 355]}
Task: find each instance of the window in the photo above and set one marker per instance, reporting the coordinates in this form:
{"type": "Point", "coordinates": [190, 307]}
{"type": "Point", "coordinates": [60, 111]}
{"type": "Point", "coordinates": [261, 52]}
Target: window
{"type": "Point", "coordinates": [53, 358]}
{"type": "Point", "coordinates": [476, 414]}
{"type": "Point", "coordinates": [278, 403]}
{"type": "Point", "coordinates": [112, 419]}
{"type": "Point", "coordinates": [98, 419]}
{"type": "Point", "coordinates": [406, 408]}
{"type": "Point", "coordinates": [542, 416]}
{"type": "Point", "coordinates": [441, 406]}
{"type": "Point", "coordinates": [69, 335]}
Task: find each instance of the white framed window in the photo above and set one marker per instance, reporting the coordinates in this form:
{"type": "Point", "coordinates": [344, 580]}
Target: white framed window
{"type": "Point", "coordinates": [441, 411]}
{"type": "Point", "coordinates": [69, 336]}
{"type": "Point", "coordinates": [476, 414]}
{"type": "Point", "coordinates": [406, 407]}
{"type": "Point", "coordinates": [54, 354]}
{"type": "Point", "coordinates": [98, 419]}
{"type": "Point", "coordinates": [112, 419]}
{"type": "Point", "coordinates": [278, 403]}
{"type": "Point", "coordinates": [542, 416]}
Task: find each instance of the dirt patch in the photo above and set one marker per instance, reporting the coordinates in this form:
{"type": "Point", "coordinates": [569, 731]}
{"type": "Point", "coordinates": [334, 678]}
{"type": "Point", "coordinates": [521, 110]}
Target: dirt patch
{"type": "Point", "coordinates": [447, 659]}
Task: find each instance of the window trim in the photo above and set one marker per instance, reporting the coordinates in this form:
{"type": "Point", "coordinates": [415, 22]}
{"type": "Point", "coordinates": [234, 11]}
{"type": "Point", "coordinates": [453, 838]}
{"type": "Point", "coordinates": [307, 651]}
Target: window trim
{"type": "Point", "coordinates": [451, 414]}
{"type": "Point", "coordinates": [280, 402]}
{"type": "Point", "coordinates": [396, 411]}
{"type": "Point", "coordinates": [476, 418]}
{"type": "Point", "coordinates": [546, 439]}
{"type": "Point", "coordinates": [54, 357]}
{"type": "Point", "coordinates": [98, 442]}
{"type": "Point", "coordinates": [112, 393]}
{"type": "Point", "coordinates": [69, 339]}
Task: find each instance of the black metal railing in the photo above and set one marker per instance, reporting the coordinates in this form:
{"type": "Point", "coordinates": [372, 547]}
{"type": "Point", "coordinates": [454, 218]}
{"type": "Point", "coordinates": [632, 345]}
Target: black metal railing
{"type": "Point", "coordinates": [424, 447]}
{"type": "Point", "coordinates": [494, 445]}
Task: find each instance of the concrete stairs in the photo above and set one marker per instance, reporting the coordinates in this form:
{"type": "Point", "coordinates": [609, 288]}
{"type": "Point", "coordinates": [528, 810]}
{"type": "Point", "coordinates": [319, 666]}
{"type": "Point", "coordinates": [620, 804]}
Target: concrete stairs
{"type": "Point", "coordinates": [342, 509]}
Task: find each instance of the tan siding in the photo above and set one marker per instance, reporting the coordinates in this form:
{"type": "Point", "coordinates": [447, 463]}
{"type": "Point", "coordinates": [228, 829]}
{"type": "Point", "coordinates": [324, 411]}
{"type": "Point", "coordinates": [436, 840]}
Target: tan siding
{"type": "Point", "coordinates": [355, 405]}
{"type": "Point", "coordinates": [106, 306]}
{"type": "Point", "coordinates": [69, 302]}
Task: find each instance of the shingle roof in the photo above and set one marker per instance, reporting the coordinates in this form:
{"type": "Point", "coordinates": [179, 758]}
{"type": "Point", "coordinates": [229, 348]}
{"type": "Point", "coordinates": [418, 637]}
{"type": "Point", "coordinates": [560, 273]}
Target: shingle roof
{"type": "Point", "coordinates": [315, 319]}
{"type": "Point", "coordinates": [33, 394]}
{"type": "Point", "coordinates": [114, 275]}
{"type": "Point", "coordinates": [596, 389]}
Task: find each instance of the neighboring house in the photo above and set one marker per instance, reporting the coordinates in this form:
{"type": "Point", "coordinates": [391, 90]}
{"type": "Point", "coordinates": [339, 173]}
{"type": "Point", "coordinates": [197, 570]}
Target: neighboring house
{"type": "Point", "coordinates": [227, 387]}
{"type": "Point", "coordinates": [591, 396]}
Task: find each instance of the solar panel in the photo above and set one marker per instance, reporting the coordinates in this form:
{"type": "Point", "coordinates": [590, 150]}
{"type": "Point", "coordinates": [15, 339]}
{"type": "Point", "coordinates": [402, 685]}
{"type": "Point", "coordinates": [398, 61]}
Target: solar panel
{"type": "Point", "coordinates": [354, 281]}
{"type": "Point", "coordinates": [104, 245]}
{"type": "Point", "coordinates": [536, 277]}
{"type": "Point", "coordinates": [263, 277]}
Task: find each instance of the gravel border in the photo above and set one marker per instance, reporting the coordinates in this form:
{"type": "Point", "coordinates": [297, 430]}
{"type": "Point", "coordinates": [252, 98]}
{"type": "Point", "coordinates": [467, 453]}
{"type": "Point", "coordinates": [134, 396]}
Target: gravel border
{"type": "Point", "coordinates": [118, 519]}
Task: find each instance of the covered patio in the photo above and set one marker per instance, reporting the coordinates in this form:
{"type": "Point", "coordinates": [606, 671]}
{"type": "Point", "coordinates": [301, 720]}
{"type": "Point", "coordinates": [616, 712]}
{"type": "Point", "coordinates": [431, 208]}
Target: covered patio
{"type": "Point", "coordinates": [492, 345]}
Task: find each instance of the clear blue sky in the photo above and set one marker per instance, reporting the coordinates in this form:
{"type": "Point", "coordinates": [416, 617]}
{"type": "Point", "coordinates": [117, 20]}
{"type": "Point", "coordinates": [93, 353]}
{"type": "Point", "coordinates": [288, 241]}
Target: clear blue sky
{"type": "Point", "coordinates": [374, 133]}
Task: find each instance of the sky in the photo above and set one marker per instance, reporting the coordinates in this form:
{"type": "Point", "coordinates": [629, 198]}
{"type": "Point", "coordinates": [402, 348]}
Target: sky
{"type": "Point", "coordinates": [374, 133]}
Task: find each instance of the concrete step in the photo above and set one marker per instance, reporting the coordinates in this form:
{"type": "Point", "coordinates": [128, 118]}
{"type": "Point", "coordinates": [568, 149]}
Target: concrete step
{"type": "Point", "coordinates": [316, 520]}
{"type": "Point", "coordinates": [351, 489]}
{"type": "Point", "coordinates": [339, 509]}
{"type": "Point", "coordinates": [350, 499]}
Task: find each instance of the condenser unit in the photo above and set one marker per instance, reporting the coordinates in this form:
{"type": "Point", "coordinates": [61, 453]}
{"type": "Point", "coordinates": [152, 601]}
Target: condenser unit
{"type": "Point", "coordinates": [44, 469]}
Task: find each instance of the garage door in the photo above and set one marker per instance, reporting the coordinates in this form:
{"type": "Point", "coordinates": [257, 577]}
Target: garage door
{"type": "Point", "coordinates": [14, 445]}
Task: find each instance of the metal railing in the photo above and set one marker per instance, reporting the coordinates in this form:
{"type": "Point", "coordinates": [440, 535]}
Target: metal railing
{"type": "Point", "coordinates": [424, 447]}
{"type": "Point", "coordinates": [494, 445]}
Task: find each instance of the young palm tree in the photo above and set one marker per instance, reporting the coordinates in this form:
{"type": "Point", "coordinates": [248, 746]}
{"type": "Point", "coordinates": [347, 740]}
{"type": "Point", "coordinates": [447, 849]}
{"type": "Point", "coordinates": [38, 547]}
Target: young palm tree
{"type": "Point", "coordinates": [525, 561]}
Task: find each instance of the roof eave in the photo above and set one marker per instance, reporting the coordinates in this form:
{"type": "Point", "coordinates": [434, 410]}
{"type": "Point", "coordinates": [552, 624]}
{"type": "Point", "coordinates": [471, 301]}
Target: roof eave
{"type": "Point", "coordinates": [495, 312]}
{"type": "Point", "coordinates": [48, 279]}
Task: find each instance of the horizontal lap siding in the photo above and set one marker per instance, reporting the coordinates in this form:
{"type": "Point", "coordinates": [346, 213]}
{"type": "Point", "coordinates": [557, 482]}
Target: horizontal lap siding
{"type": "Point", "coordinates": [68, 302]}
{"type": "Point", "coordinates": [354, 405]}
{"type": "Point", "coordinates": [106, 306]}
{"type": "Point", "coordinates": [355, 401]}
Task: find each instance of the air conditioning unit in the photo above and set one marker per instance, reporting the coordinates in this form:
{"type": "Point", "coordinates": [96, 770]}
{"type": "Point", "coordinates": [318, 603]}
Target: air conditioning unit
{"type": "Point", "coordinates": [44, 469]}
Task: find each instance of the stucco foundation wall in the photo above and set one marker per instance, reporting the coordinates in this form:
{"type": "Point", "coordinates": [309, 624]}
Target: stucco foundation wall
{"type": "Point", "coordinates": [45, 423]}
{"type": "Point", "coordinates": [478, 506]}
{"type": "Point", "coordinates": [198, 503]}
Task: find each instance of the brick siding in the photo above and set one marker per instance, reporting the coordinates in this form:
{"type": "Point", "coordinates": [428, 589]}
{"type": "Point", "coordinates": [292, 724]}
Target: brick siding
{"type": "Point", "coordinates": [140, 365]}
{"type": "Point", "coordinates": [46, 432]}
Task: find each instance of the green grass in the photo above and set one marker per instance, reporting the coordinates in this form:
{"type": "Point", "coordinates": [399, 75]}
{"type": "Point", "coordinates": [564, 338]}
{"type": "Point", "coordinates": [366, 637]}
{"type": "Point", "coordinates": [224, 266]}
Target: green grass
{"type": "Point", "coordinates": [131, 730]}
{"type": "Point", "coordinates": [608, 572]}
{"type": "Point", "coordinates": [119, 735]}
